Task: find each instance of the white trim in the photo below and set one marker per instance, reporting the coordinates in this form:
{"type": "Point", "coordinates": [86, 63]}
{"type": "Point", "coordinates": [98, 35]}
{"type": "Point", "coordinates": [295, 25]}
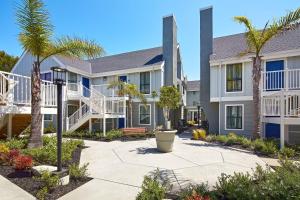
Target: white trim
{"type": "Point", "coordinates": [243, 79]}
{"type": "Point", "coordinates": [273, 55]}
{"type": "Point", "coordinates": [150, 90]}
{"type": "Point", "coordinates": [140, 115]}
{"type": "Point", "coordinates": [234, 98]}
{"type": "Point", "coordinates": [243, 117]}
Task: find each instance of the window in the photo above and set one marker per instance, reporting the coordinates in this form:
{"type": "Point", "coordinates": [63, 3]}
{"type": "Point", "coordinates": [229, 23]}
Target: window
{"type": "Point", "coordinates": [234, 117]}
{"type": "Point", "coordinates": [72, 78]}
{"type": "Point", "coordinates": [46, 76]}
{"type": "Point", "coordinates": [145, 82]}
{"type": "Point", "coordinates": [234, 73]}
{"type": "Point", "coordinates": [48, 117]}
{"type": "Point", "coordinates": [145, 114]}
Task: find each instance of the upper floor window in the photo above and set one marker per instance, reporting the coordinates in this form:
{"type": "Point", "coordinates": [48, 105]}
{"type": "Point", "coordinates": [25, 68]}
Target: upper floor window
{"type": "Point", "coordinates": [46, 76]}
{"type": "Point", "coordinates": [234, 116]}
{"type": "Point", "coordinates": [72, 78]}
{"type": "Point", "coordinates": [145, 82]}
{"type": "Point", "coordinates": [234, 76]}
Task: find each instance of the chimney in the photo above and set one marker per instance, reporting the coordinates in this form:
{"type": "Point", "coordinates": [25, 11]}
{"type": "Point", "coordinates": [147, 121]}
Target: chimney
{"type": "Point", "coordinates": [211, 110]}
{"type": "Point", "coordinates": [170, 50]}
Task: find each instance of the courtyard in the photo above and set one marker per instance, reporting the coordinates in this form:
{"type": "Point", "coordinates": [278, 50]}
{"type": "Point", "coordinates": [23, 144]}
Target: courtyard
{"type": "Point", "coordinates": [119, 167]}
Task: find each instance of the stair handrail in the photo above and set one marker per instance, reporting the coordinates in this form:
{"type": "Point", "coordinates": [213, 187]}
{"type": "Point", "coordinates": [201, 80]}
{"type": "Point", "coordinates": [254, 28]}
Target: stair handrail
{"type": "Point", "coordinates": [81, 112]}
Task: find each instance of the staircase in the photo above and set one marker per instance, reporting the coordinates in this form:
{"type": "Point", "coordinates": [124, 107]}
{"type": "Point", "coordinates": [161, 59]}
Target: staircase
{"type": "Point", "coordinates": [95, 105]}
{"type": "Point", "coordinates": [15, 100]}
{"type": "Point", "coordinates": [20, 123]}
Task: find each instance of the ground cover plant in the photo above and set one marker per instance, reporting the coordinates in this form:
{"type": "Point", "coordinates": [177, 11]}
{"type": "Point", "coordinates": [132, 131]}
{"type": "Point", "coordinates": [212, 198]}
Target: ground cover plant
{"type": "Point", "coordinates": [265, 147]}
{"type": "Point", "coordinates": [263, 183]}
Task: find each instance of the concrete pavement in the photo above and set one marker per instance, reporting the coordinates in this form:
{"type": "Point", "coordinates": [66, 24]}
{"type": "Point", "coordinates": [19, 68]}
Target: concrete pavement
{"type": "Point", "coordinates": [118, 167]}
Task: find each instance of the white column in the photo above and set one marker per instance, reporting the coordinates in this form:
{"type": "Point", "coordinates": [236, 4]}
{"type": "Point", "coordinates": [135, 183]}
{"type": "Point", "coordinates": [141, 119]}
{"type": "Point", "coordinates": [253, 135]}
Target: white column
{"type": "Point", "coordinates": [42, 128]}
{"type": "Point", "coordinates": [125, 115]}
{"type": "Point", "coordinates": [9, 126]}
{"type": "Point", "coordinates": [104, 126]}
{"type": "Point", "coordinates": [282, 119]}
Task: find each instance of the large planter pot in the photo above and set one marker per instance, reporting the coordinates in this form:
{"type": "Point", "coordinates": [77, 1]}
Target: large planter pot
{"type": "Point", "coordinates": [165, 140]}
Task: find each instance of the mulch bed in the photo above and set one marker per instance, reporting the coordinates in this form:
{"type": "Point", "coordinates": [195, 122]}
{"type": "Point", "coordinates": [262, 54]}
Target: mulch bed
{"type": "Point", "coordinates": [32, 185]}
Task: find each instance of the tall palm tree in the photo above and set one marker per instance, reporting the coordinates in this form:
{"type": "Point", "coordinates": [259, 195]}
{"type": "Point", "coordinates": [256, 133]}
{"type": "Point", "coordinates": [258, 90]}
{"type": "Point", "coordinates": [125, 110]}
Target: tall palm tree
{"type": "Point", "coordinates": [256, 40]}
{"type": "Point", "coordinates": [129, 90]}
{"type": "Point", "coordinates": [36, 38]}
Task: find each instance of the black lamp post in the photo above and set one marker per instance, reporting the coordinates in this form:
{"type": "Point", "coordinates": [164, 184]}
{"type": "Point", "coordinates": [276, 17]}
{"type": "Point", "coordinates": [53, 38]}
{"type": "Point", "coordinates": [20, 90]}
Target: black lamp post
{"type": "Point", "coordinates": [198, 115]}
{"type": "Point", "coordinates": [59, 79]}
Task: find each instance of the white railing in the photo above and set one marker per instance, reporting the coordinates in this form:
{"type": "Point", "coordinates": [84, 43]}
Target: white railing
{"type": "Point", "coordinates": [18, 90]}
{"type": "Point", "coordinates": [3, 88]}
{"type": "Point", "coordinates": [115, 106]}
{"type": "Point", "coordinates": [288, 79]}
{"type": "Point", "coordinates": [105, 90]}
{"type": "Point", "coordinates": [82, 112]}
{"type": "Point", "coordinates": [271, 105]}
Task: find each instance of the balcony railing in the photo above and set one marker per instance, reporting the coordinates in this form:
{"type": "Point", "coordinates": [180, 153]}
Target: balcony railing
{"type": "Point", "coordinates": [288, 79]}
{"type": "Point", "coordinates": [105, 90]}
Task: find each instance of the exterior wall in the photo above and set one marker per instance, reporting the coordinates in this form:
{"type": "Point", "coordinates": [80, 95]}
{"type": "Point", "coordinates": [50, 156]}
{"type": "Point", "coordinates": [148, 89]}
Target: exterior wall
{"type": "Point", "coordinates": [247, 118]}
{"type": "Point", "coordinates": [294, 134]}
{"type": "Point", "coordinates": [158, 116]}
{"type": "Point", "coordinates": [211, 110]}
{"type": "Point", "coordinates": [192, 98]}
{"type": "Point", "coordinates": [293, 62]}
{"type": "Point", "coordinates": [24, 66]}
{"type": "Point", "coordinates": [218, 82]}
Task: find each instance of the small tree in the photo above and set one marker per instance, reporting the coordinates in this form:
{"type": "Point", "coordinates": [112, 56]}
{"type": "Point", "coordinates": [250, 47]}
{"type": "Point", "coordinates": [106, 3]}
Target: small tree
{"type": "Point", "coordinates": [169, 99]}
{"type": "Point", "coordinates": [130, 90]}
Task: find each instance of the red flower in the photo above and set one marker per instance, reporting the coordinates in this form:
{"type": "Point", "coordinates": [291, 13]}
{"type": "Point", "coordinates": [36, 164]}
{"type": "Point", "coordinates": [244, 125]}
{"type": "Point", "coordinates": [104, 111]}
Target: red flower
{"type": "Point", "coordinates": [12, 154]}
{"type": "Point", "coordinates": [23, 162]}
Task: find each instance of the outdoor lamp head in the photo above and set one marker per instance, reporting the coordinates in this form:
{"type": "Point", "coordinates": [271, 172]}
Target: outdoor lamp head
{"type": "Point", "coordinates": [59, 75]}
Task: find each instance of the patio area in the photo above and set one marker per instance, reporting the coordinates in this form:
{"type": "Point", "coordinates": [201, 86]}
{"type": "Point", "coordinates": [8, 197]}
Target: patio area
{"type": "Point", "coordinates": [118, 167]}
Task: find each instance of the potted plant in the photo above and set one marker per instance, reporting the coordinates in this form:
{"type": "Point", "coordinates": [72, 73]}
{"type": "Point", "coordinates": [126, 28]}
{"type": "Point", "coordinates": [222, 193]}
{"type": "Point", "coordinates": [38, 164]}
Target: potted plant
{"type": "Point", "coordinates": [169, 99]}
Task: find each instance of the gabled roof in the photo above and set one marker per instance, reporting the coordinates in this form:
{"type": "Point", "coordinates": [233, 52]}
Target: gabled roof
{"type": "Point", "coordinates": [127, 60]}
{"type": "Point", "coordinates": [231, 46]}
{"type": "Point", "coordinates": [193, 85]}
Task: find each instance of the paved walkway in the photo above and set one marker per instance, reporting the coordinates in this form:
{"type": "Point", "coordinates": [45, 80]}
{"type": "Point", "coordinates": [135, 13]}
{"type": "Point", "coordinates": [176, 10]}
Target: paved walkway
{"type": "Point", "coordinates": [118, 167]}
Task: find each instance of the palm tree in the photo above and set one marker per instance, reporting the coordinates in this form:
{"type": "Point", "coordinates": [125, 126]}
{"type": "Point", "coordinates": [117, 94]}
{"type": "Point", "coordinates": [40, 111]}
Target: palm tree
{"type": "Point", "coordinates": [129, 90]}
{"type": "Point", "coordinates": [35, 37]}
{"type": "Point", "coordinates": [256, 40]}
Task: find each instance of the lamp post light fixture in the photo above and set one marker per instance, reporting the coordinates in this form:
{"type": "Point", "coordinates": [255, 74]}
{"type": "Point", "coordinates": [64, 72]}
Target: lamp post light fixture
{"type": "Point", "coordinates": [198, 114]}
{"type": "Point", "coordinates": [59, 79]}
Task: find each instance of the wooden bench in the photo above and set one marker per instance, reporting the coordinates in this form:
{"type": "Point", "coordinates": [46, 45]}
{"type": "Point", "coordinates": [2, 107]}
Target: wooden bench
{"type": "Point", "coordinates": [134, 131]}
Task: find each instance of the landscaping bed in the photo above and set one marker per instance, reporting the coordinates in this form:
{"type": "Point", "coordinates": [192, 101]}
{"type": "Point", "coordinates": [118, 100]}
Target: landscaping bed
{"type": "Point", "coordinates": [32, 185]}
{"type": "Point", "coordinates": [261, 147]}
{"type": "Point", "coordinates": [16, 164]}
{"type": "Point", "coordinates": [110, 136]}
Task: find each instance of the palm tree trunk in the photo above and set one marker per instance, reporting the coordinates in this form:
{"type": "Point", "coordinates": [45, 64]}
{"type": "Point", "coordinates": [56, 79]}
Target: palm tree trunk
{"type": "Point", "coordinates": [256, 76]}
{"type": "Point", "coordinates": [36, 116]}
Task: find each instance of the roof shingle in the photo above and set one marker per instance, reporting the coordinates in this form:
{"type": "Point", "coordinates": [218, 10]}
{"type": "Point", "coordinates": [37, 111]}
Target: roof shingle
{"type": "Point", "coordinates": [193, 85]}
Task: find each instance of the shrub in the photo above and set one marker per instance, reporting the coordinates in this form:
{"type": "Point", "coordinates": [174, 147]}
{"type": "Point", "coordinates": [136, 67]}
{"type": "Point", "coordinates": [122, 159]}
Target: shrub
{"type": "Point", "coordinates": [47, 154]}
{"type": "Point", "coordinates": [113, 134]}
{"type": "Point", "coordinates": [151, 189]}
{"type": "Point", "coordinates": [245, 142]}
{"type": "Point", "coordinates": [265, 147]}
{"type": "Point", "coordinates": [41, 194]}
{"type": "Point", "coordinates": [287, 152]}
{"type": "Point", "coordinates": [50, 128]}
{"type": "Point", "coordinates": [17, 143]}
{"type": "Point", "coordinates": [23, 162]}
{"type": "Point", "coordinates": [4, 149]}
{"type": "Point", "coordinates": [191, 122]}
{"type": "Point", "coordinates": [194, 192]}
{"type": "Point", "coordinates": [12, 155]}
{"type": "Point", "coordinates": [258, 145]}
{"type": "Point", "coordinates": [78, 173]}
{"type": "Point", "coordinates": [196, 196]}
{"type": "Point", "coordinates": [51, 181]}
{"type": "Point", "coordinates": [211, 138]}
{"type": "Point", "coordinates": [222, 139]}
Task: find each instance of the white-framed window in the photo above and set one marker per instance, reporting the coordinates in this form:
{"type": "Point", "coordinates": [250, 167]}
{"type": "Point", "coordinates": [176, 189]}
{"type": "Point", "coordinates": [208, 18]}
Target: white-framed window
{"type": "Point", "coordinates": [234, 117]}
{"type": "Point", "coordinates": [48, 117]}
{"type": "Point", "coordinates": [145, 82]}
{"type": "Point", "coordinates": [145, 114]}
{"type": "Point", "coordinates": [234, 77]}
{"type": "Point", "coordinates": [46, 76]}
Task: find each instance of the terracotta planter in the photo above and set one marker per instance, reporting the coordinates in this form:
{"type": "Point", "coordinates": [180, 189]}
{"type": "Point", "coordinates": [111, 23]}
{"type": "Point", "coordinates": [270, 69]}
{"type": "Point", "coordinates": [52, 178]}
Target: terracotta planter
{"type": "Point", "coordinates": [165, 140]}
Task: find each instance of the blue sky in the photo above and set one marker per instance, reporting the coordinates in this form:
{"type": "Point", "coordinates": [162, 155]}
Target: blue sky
{"type": "Point", "coordinates": [127, 25]}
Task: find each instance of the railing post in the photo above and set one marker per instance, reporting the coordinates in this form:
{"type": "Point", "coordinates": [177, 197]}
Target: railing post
{"type": "Point", "coordinates": [67, 123]}
{"type": "Point", "coordinates": [286, 72]}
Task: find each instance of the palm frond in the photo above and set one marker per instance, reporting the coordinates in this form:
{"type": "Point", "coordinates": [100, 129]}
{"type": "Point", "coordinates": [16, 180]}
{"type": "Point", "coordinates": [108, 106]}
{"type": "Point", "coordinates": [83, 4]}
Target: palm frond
{"type": "Point", "coordinates": [74, 47]}
{"type": "Point", "coordinates": [35, 26]}
{"type": "Point", "coordinates": [252, 34]}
